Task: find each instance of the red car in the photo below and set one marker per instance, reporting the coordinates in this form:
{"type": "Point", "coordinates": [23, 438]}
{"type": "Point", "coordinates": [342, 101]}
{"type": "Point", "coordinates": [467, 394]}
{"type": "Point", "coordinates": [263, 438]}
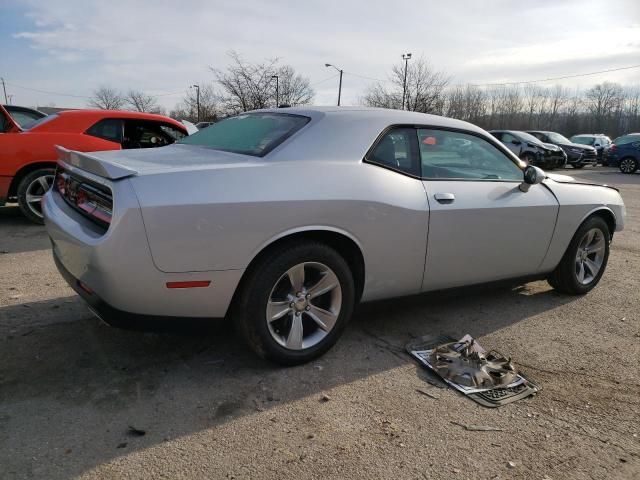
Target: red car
{"type": "Point", "coordinates": [28, 156]}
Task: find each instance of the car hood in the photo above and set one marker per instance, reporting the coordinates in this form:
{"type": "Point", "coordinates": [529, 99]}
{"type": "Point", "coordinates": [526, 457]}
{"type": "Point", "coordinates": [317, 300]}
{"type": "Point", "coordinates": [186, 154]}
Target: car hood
{"type": "Point", "coordinates": [559, 178]}
{"type": "Point", "coordinates": [116, 164]}
{"type": "Point", "coordinates": [578, 146]}
{"type": "Point", "coordinates": [552, 147]}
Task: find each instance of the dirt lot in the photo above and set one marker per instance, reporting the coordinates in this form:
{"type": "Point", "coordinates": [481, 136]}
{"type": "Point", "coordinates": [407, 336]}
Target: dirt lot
{"type": "Point", "coordinates": [70, 386]}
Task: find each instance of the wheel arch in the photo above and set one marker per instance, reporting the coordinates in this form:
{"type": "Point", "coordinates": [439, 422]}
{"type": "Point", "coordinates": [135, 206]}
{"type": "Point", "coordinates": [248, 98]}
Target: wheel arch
{"type": "Point", "coordinates": [606, 214]}
{"type": "Point", "coordinates": [341, 241]}
{"type": "Point", "coordinates": [26, 170]}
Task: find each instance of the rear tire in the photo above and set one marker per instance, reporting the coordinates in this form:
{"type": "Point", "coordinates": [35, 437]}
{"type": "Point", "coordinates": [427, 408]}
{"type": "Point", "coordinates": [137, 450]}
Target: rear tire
{"type": "Point", "coordinates": [30, 191]}
{"type": "Point", "coordinates": [585, 260]}
{"type": "Point", "coordinates": [628, 165]}
{"type": "Point", "coordinates": [281, 321]}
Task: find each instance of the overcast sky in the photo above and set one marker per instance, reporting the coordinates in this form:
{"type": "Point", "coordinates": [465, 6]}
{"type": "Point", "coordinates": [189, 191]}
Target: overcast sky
{"type": "Point", "coordinates": [160, 47]}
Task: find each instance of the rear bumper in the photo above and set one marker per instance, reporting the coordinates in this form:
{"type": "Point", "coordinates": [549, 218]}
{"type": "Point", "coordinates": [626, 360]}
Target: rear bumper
{"type": "Point", "coordinates": [114, 316]}
{"type": "Point", "coordinates": [116, 267]}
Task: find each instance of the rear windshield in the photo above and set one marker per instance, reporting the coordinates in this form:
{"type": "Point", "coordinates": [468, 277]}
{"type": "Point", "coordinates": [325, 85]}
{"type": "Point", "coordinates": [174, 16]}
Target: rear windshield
{"type": "Point", "coordinates": [250, 134]}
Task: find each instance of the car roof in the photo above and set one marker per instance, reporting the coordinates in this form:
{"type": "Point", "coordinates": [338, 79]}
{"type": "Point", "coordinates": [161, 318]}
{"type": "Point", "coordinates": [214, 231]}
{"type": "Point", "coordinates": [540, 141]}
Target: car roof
{"type": "Point", "coordinates": [352, 130]}
{"type": "Point", "coordinates": [80, 120]}
{"type": "Point", "coordinates": [392, 116]}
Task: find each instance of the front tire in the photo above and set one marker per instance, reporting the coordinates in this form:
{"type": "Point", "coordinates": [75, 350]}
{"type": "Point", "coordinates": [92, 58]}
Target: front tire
{"type": "Point", "coordinates": [628, 165]}
{"type": "Point", "coordinates": [31, 190]}
{"type": "Point", "coordinates": [295, 303]}
{"type": "Point", "coordinates": [585, 260]}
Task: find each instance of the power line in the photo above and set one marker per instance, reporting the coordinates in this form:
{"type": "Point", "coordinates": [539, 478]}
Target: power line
{"type": "Point", "coordinates": [326, 79]}
{"type": "Point", "coordinates": [553, 78]}
{"type": "Point", "coordinates": [45, 91]}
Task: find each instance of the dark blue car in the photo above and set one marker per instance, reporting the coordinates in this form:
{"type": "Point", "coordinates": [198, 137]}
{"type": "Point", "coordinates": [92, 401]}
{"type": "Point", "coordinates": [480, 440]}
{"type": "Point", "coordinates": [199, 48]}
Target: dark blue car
{"type": "Point", "coordinates": [625, 153]}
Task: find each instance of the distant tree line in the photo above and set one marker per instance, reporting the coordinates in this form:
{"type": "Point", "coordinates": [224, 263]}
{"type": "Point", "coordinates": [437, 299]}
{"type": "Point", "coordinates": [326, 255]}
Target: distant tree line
{"type": "Point", "coordinates": [241, 87]}
{"type": "Point", "coordinates": [608, 108]}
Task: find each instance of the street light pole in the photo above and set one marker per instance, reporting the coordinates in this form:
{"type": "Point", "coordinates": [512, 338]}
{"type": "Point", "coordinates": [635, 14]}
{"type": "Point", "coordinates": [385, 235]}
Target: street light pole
{"type": "Point", "coordinates": [406, 58]}
{"type": "Point", "coordinates": [5, 90]}
{"type": "Point", "coordinates": [197, 87]}
{"type": "Point", "coordinates": [277, 90]}
{"type": "Point", "coordinates": [340, 84]}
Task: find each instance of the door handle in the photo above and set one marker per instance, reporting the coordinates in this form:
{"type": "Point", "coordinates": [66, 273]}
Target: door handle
{"type": "Point", "coordinates": [445, 197]}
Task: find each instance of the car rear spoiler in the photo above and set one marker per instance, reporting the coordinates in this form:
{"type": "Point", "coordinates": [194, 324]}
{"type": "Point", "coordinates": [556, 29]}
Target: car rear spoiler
{"type": "Point", "coordinates": [94, 165]}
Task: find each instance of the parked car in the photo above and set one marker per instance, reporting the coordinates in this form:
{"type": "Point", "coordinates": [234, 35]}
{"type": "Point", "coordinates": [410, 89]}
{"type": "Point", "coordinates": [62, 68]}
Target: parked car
{"type": "Point", "coordinates": [624, 153]}
{"type": "Point", "coordinates": [24, 116]}
{"type": "Point", "coordinates": [599, 141]}
{"type": "Point", "coordinates": [201, 125]}
{"type": "Point", "coordinates": [28, 156]}
{"type": "Point", "coordinates": [532, 150]}
{"type": "Point", "coordinates": [281, 220]}
{"type": "Point", "coordinates": [577, 155]}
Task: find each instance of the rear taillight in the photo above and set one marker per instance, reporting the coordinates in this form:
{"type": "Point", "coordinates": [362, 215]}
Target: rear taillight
{"type": "Point", "coordinates": [92, 200]}
{"type": "Point", "coordinates": [613, 147]}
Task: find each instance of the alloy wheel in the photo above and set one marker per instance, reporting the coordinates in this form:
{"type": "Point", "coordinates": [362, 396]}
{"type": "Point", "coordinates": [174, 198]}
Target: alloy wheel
{"type": "Point", "coordinates": [35, 191]}
{"type": "Point", "coordinates": [304, 305]}
{"type": "Point", "coordinates": [590, 256]}
{"type": "Point", "coordinates": [627, 165]}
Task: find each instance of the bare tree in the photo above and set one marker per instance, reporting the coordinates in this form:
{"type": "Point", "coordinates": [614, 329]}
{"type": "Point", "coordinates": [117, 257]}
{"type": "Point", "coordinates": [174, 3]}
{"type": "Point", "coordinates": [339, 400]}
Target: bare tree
{"type": "Point", "coordinates": [603, 101]}
{"type": "Point", "coordinates": [106, 98]}
{"type": "Point", "coordinates": [425, 88]}
{"type": "Point", "coordinates": [187, 109]}
{"type": "Point", "coordinates": [249, 86]}
{"type": "Point", "coordinates": [141, 102]}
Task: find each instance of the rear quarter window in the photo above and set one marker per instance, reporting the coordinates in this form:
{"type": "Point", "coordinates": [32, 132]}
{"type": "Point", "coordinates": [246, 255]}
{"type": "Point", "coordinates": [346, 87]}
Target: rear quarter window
{"type": "Point", "coordinates": [107, 129]}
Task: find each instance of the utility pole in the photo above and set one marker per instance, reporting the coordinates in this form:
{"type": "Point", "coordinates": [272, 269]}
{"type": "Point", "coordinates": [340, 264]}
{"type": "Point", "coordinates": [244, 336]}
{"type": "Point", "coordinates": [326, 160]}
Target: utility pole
{"type": "Point", "coordinates": [406, 58]}
{"type": "Point", "coordinates": [197, 87]}
{"type": "Point", "coordinates": [277, 90]}
{"type": "Point", "coordinates": [4, 88]}
{"type": "Point", "coordinates": [340, 84]}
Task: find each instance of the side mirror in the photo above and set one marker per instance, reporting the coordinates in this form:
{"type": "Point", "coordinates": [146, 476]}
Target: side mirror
{"type": "Point", "coordinates": [516, 142]}
{"type": "Point", "coordinates": [532, 176]}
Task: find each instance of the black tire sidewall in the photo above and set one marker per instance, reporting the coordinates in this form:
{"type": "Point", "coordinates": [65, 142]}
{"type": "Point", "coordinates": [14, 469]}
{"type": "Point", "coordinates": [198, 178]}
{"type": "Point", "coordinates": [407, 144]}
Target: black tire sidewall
{"type": "Point", "coordinates": [250, 312]}
{"type": "Point", "coordinates": [22, 192]}
{"type": "Point", "coordinates": [567, 275]}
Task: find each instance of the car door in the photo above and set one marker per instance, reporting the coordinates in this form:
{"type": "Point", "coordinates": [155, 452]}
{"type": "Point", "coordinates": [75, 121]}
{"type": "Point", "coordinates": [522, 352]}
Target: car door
{"type": "Point", "coordinates": [482, 227]}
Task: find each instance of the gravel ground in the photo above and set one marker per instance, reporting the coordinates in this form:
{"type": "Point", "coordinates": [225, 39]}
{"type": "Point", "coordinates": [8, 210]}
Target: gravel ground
{"type": "Point", "coordinates": [70, 387]}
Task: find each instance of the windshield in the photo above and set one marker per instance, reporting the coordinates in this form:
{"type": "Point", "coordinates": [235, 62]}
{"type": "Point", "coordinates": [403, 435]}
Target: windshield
{"type": "Point", "coordinates": [527, 137]}
{"type": "Point", "coordinates": [583, 140]}
{"type": "Point", "coordinates": [250, 134]}
{"type": "Point", "coordinates": [557, 138]}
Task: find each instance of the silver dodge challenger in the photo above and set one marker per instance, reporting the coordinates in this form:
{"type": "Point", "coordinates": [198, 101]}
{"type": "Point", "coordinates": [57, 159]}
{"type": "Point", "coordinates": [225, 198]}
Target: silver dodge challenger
{"type": "Point", "coordinates": [283, 220]}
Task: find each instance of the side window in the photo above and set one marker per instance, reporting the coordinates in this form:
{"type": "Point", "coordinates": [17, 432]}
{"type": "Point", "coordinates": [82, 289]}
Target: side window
{"type": "Point", "coordinates": [396, 150]}
{"type": "Point", "coordinates": [453, 155]}
{"type": "Point", "coordinates": [508, 138]}
{"type": "Point", "coordinates": [108, 129]}
{"type": "Point", "coordinates": [498, 135]}
{"type": "Point", "coordinates": [148, 134]}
